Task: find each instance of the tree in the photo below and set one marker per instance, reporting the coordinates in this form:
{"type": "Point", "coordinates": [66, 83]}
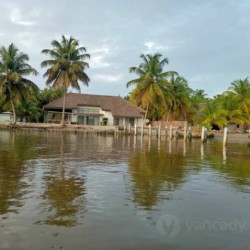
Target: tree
{"type": "Point", "coordinates": [151, 82]}
{"type": "Point", "coordinates": [231, 107]}
{"type": "Point", "coordinates": [241, 90]}
{"type": "Point", "coordinates": [178, 98]}
{"type": "Point", "coordinates": [211, 115]}
{"type": "Point", "coordinates": [13, 86]}
{"type": "Point", "coordinates": [66, 67]}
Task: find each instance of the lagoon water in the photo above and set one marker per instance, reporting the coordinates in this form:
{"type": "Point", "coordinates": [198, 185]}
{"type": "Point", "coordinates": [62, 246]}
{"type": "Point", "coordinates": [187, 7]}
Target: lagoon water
{"type": "Point", "coordinates": [75, 191]}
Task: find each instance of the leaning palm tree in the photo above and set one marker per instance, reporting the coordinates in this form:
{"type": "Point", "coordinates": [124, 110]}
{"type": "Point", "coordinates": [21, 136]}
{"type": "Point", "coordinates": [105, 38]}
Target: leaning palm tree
{"type": "Point", "coordinates": [151, 82]}
{"type": "Point", "coordinates": [66, 66]}
{"type": "Point", "coordinates": [13, 86]}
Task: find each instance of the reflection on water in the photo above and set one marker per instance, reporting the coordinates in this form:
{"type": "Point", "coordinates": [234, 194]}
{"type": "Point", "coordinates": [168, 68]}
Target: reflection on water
{"type": "Point", "coordinates": [67, 190]}
{"type": "Point", "coordinates": [154, 172]}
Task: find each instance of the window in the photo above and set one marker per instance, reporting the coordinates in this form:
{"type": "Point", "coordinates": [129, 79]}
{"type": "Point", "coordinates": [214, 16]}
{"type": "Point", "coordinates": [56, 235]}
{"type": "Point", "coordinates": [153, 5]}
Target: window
{"type": "Point", "coordinates": [88, 110]}
{"type": "Point", "coordinates": [88, 120]}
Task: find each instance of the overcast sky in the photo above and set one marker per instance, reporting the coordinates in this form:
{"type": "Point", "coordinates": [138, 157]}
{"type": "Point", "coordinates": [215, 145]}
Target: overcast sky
{"type": "Point", "coordinates": [206, 41]}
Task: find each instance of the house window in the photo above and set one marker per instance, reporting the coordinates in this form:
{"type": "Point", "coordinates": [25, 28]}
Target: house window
{"type": "Point", "coordinates": [118, 121]}
{"type": "Point", "coordinates": [88, 110]}
{"type": "Point", "coordinates": [130, 121]}
{"type": "Point", "coordinates": [88, 120]}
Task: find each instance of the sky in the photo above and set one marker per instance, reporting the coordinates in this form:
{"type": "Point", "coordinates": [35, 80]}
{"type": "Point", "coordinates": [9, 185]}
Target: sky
{"type": "Point", "coordinates": [206, 41]}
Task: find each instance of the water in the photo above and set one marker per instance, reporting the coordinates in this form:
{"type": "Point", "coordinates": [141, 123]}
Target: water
{"type": "Point", "coordinates": [71, 191]}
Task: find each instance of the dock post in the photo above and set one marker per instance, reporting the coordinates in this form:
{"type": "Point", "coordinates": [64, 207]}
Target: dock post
{"type": "Point", "coordinates": [171, 132]}
{"type": "Point", "coordinates": [225, 136]}
{"type": "Point", "coordinates": [149, 130]}
{"type": "Point", "coordinates": [135, 129]}
{"type": "Point", "coordinates": [203, 134]}
{"type": "Point", "coordinates": [185, 133]}
{"type": "Point", "coordinates": [142, 130]}
{"type": "Point", "coordinates": [159, 131]}
{"type": "Point", "coordinates": [129, 128]}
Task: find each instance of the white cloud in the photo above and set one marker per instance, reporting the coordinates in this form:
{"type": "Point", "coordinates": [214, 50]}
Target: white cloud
{"type": "Point", "coordinates": [153, 47]}
{"type": "Point", "coordinates": [107, 78]}
{"type": "Point", "coordinates": [15, 17]}
{"type": "Point", "coordinates": [99, 57]}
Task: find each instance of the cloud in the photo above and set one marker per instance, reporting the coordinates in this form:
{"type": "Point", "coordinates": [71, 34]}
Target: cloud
{"type": "Point", "coordinates": [107, 78]}
{"type": "Point", "coordinates": [16, 18]}
{"type": "Point", "coordinates": [152, 47]}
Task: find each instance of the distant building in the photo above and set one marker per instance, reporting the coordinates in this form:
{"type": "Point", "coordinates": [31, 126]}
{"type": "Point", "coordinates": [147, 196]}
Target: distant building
{"type": "Point", "coordinates": [6, 117]}
{"type": "Point", "coordinates": [95, 110]}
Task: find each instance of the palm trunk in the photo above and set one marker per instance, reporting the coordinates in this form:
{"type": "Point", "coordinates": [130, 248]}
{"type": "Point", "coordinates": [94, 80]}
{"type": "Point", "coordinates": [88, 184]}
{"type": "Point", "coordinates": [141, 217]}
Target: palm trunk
{"type": "Point", "coordinates": [146, 113]}
{"type": "Point", "coordinates": [13, 108]}
{"type": "Point", "coordinates": [63, 109]}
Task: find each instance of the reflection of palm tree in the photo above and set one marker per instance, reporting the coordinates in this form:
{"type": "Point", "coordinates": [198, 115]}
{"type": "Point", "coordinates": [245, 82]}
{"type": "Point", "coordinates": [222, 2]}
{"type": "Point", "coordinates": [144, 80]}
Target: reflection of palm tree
{"type": "Point", "coordinates": [12, 168]}
{"type": "Point", "coordinates": [153, 172]}
{"type": "Point", "coordinates": [64, 197]}
{"type": "Point", "coordinates": [64, 193]}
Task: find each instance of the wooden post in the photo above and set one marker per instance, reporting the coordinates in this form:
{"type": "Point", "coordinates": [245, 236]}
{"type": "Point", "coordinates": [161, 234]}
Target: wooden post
{"type": "Point", "coordinates": [202, 151]}
{"type": "Point", "coordinates": [149, 130]}
{"type": "Point", "coordinates": [142, 130]}
{"type": "Point", "coordinates": [203, 134]}
{"type": "Point", "coordinates": [135, 129]}
{"type": "Point", "coordinates": [185, 133]}
{"type": "Point", "coordinates": [159, 131]}
{"type": "Point", "coordinates": [225, 137]}
{"type": "Point", "coordinates": [129, 128]}
{"type": "Point", "coordinates": [224, 153]}
{"type": "Point", "coordinates": [171, 132]}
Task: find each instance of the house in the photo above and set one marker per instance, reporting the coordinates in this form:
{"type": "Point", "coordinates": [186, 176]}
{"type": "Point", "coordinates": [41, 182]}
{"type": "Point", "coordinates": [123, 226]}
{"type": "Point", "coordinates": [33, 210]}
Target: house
{"type": "Point", "coordinates": [88, 109]}
{"type": "Point", "coordinates": [6, 117]}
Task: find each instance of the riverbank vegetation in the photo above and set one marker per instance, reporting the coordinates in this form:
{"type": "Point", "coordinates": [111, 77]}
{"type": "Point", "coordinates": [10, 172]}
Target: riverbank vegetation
{"type": "Point", "coordinates": [165, 95]}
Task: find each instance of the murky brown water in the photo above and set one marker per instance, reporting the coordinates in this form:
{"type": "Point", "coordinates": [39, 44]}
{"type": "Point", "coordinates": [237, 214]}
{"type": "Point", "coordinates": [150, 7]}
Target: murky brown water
{"type": "Point", "coordinates": [68, 191]}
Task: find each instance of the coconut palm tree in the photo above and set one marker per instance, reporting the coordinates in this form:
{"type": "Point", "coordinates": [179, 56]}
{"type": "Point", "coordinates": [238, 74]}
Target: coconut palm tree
{"type": "Point", "coordinates": [66, 66]}
{"type": "Point", "coordinates": [211, 115]}
{"type": "Point", "coordinates": [231, 108]}
{"type": "Point", "coordinates": [178, 98]}
{"type": "Point", "coordinates": [13, 86]}
{"type": "Point", "coordinates": [151, 82]}
{"type": "Point", "coordinates": [241, 91]}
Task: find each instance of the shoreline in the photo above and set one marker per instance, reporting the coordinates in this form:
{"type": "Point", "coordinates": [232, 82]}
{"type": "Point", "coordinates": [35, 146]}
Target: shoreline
{"type": "Point", "coordinates": [52, 127]}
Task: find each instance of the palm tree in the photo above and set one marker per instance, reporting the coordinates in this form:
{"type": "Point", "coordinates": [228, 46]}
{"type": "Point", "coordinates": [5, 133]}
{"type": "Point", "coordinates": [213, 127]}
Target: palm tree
{"type": "Point", "coordinates": [212, 115]}
{"type": "Point", "coordinates": [151, 82]}
{"type": "Point", "coordinates": [241, 90]}
{"type": "Point", "coordinates": [231, 108]}
{"type": "Point", "coordinates": [13, 67]}
{"type": "Point", "coordinates": [66, 66]}
{"type": "Point", "coordinates": [178, 98]}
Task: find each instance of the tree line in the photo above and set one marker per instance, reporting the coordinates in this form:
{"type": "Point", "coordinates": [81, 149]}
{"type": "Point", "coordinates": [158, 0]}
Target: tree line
{"type": "Point", "coordinates": [165, 95]}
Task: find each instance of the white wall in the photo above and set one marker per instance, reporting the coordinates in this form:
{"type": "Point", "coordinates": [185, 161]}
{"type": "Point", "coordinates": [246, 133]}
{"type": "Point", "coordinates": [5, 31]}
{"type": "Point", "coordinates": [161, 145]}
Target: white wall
{"type": "Point", "coordinates": [6, 117]}
{"type": "Point", "coordinates": [107, 114]}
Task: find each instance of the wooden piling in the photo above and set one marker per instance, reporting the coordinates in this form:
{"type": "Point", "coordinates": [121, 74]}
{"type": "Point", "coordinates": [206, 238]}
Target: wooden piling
{"type": "Point", "coordinates": [203, 134]}
{"type": "Point", "coordinates": [225, 136]}
{"type": "Point", "coordinates": [149, 130]}
{"type": "Point", "coordinates": [185, 133]}
{"type": "Point", "coordinates": [135, 129]}
{"type": "Point", "coordinates": [159, 131]}
{"type": "Point", "coordinates": [171, 132]}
